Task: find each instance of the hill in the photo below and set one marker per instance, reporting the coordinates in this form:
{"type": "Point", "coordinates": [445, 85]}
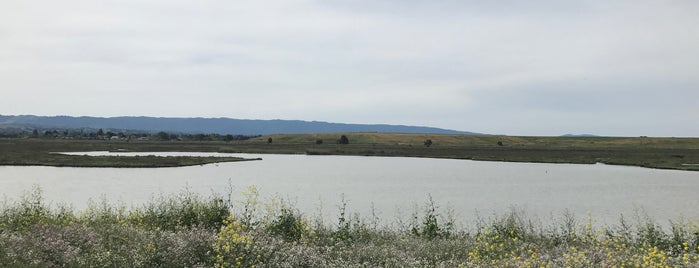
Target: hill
{"type": "Point", "coordinates": [579, 135]}
{"type": "Point", "coordinates": [207, 125]}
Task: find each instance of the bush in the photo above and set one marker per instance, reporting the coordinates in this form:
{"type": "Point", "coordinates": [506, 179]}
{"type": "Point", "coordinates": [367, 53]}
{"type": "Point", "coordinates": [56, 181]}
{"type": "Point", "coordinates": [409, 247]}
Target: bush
{"type": "Point", "coordinates": [430, 227]}
{"type": "Point", "coordinates": [185, 210]}
{"type": "Point", "coordinates": [289, 225]}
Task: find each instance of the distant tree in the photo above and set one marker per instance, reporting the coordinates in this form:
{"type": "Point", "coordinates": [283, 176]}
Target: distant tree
{"type": "Point", "coordinates": [499, 143]}
{"type": "Point", "coordinates": [269, 140]}
{"type": "Point", "coordinates": [319, 141]}
{"type": "Point", "coordinates": [428, 143]}
{"type": "Point", "coordinates": [35, 133]}
{"type": "Point", "coordinates": [343, 140]}
{"type": "Point", "coordinates": [163, 136]}
{"type": "Point", "coordinates": [100, 132]}
{"type": "Point", "coordinates": [228, 138]}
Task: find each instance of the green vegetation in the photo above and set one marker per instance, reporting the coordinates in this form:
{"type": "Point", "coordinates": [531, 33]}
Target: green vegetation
{"type": "Point", "coordinates": [25, 152]}
{"type": "Point", "coordinates": [111, 134]}
{"type": "Point", "coordinates": [188, 230]}
{"type": "Point", "coordinates": [666, 153]}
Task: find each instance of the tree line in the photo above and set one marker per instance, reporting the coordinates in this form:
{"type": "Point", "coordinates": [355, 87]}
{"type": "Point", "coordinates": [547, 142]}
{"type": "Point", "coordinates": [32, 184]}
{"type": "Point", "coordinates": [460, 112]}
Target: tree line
{"type": "Point", "coordinates": [101, 134]}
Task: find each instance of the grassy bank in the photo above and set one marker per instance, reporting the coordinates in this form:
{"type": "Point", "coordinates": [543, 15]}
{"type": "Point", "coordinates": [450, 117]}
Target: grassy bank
{"type": "Point", "coordinates": [665, 153]}
{"type": "Point", "coordinates": [35, 152]}
{"type": "Point", "coordinates": [187, 230]}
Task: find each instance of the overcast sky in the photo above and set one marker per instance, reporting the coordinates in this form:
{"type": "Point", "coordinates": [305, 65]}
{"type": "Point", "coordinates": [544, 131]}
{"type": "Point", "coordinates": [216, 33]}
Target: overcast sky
{"type": "Point", "coordinates": [620, 68]}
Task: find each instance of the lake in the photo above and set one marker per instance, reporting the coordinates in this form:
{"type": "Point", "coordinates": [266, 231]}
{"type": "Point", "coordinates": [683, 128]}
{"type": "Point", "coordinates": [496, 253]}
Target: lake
{"type": "Point", "coordinates": [393, 186]}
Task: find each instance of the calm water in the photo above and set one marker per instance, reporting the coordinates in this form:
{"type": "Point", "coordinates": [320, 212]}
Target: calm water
{"type": "Point", "coordinates": [393, 185]}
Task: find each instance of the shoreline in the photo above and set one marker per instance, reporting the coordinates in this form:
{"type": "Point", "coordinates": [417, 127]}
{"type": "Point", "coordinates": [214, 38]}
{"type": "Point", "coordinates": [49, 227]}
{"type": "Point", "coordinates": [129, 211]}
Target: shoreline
{"type": "Point", "coordinates": [662, 153]}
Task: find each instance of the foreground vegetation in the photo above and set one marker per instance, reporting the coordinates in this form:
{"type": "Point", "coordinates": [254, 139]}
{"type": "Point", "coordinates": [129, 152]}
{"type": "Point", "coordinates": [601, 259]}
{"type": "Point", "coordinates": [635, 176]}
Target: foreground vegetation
{"type": "Point", "coordinates": [666, 153]}
{"type": "Point", "coordinates": [187, 230]}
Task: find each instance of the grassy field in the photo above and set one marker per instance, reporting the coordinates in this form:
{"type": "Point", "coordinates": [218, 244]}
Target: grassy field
{"type": "Point", "coordinates": [187, 230]}
{"type": "Point", "coordinates": [666, 153]}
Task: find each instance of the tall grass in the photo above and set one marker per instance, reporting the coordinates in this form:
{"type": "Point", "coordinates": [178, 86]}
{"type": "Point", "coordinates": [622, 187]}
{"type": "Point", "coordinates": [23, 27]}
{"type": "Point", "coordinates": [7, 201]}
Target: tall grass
{"type": "Point", "coordinates": [188, 230]}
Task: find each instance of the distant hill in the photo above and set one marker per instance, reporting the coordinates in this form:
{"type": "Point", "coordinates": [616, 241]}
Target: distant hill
{"type": "Point", "coordinates": [206, 125]}
{"type": "Point", "coordinates": [579, 135]}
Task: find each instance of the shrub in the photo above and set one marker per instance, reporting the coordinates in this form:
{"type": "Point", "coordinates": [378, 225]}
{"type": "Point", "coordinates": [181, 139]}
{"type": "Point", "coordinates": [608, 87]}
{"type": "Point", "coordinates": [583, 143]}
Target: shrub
{"type": "Point", "coordinates": [233, 246]}
{"type": "Point", "coordinates": [289, 225]}
{"type": "Point", "coordinates": [184, 210]}
{"type": "Point", "coordinates": [430, 227]}
{"type": "Point", "coordinates": [30, 210]}
{"type": "Point", "coordinates": [349, 227]}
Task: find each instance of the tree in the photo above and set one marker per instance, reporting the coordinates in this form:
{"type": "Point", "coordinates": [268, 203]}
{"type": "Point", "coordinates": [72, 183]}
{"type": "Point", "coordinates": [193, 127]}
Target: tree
{"type": "Point", "coordinates": [343, 140]}
{"type": "Point", "coordinates": [428, 143]}
{"type": "Point", "coordinates": [100, 132]}
{"type": "Point", "coordinates": [163, 136]}
{"type": "Point", "coordinates": [269, 140]}
{"type": "Point", "coordinates": [499, 143]}
{"type": "Point", "coordinates": [319, 141]}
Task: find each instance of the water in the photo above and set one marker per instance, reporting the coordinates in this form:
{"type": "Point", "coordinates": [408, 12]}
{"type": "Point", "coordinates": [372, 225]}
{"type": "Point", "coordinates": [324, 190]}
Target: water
{"type": "Point", "coordinates": [393, 186]}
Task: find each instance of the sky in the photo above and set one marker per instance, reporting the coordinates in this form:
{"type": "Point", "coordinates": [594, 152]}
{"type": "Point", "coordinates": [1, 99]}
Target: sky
{"type": "Point", "coordinates": [614, 68]}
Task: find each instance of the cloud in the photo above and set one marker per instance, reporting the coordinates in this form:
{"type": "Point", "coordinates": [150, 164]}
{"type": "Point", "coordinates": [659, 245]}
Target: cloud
{"type": "Point", "coordinates": [467, 65]}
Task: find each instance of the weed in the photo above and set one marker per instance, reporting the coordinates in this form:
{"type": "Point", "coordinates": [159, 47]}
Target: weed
{"type": "Point", "coordinates": [289, 225]}
{"type": "Point", "coordinates": [187, 230]}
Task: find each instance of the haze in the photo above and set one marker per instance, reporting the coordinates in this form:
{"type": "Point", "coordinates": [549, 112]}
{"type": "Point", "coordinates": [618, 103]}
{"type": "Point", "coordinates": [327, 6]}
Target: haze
{"type": "Point", "coordinates": [620, 68]}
